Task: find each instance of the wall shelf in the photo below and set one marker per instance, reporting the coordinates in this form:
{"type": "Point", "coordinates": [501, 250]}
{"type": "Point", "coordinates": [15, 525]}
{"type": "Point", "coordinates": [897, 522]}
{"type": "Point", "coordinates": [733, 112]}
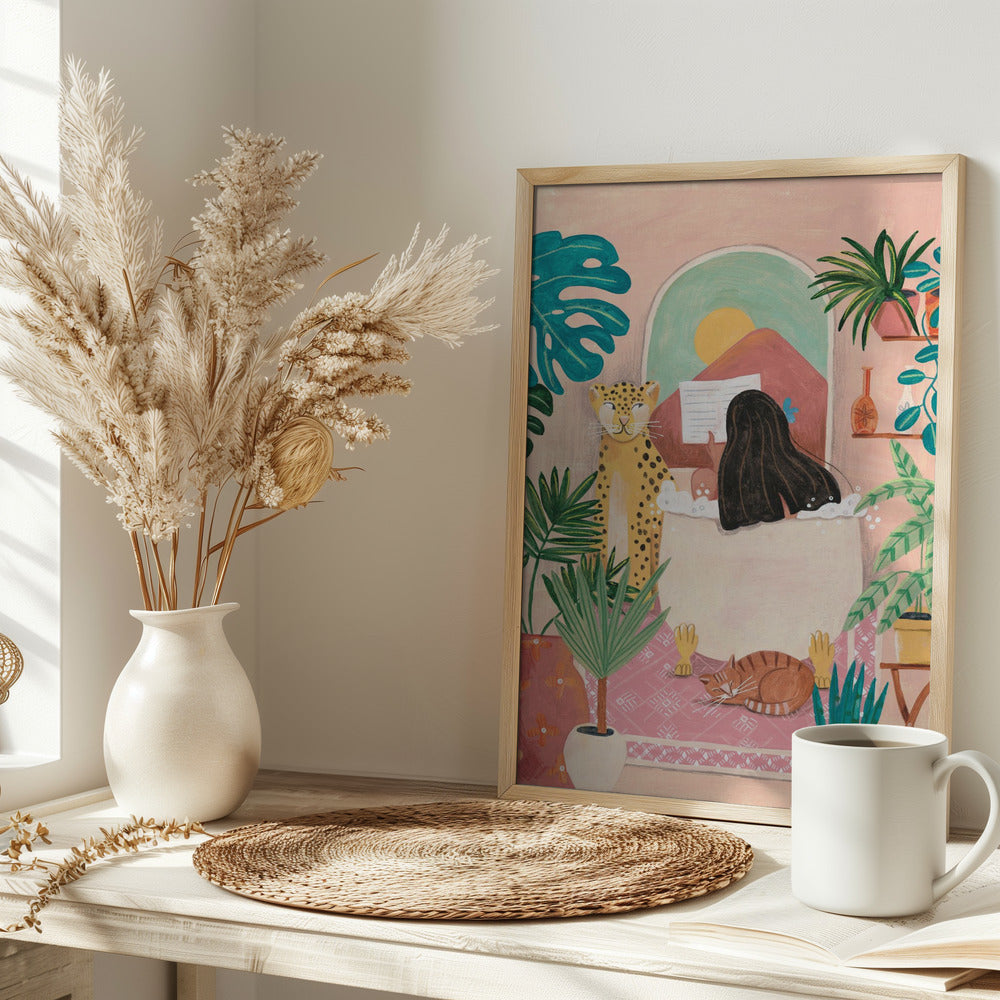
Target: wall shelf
{"type": "Point", "coordinates": [886, 434]}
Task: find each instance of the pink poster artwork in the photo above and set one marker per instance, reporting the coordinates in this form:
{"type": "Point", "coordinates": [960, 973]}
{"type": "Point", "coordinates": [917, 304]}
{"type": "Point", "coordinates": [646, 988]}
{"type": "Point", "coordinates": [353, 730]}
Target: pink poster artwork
{"type": "Point", "coordinates": [733, 434]}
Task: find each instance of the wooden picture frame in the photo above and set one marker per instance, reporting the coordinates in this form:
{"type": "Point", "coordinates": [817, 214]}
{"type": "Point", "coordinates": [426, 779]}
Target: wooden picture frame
{"type": "Point", "coordinates": [658, 310]}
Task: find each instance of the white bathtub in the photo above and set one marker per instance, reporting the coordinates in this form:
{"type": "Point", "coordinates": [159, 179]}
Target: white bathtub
{"type": "Point", "coordinates": [768, 586]}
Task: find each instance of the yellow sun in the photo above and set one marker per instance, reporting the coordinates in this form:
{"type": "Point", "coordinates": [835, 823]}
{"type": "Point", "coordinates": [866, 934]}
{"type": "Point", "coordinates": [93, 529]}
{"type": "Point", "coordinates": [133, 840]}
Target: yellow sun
{"type": "Point", "coordinates": [719, 330]}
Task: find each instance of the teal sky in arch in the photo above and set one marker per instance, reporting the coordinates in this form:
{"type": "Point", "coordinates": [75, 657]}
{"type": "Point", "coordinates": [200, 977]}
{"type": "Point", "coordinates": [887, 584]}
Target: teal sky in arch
{"type": "Point", "coordinates": [770, 289]}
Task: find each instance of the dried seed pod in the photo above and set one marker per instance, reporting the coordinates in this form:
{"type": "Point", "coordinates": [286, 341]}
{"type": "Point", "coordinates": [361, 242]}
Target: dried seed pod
{"type": "Point", "coordinates": [301, 457]}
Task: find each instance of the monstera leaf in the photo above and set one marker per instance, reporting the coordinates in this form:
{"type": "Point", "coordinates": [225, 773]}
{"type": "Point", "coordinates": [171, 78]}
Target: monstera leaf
{"type": "Point", "coordinates": [540, 399]}
{"type": "Point", "coordinates": [569, 328]}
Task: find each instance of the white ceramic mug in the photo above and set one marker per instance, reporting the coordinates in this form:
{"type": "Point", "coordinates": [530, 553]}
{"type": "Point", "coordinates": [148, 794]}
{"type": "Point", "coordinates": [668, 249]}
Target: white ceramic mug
{"type": "Point", "coordinates": [869, 818]}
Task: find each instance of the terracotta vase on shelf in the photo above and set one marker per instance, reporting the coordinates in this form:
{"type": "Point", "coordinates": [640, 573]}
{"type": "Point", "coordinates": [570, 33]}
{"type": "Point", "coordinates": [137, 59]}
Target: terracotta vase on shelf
{"type": "Point", "coordinates": [864, 415]}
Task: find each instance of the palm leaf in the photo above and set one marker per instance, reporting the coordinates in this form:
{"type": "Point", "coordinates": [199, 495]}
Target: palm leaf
{"type": "Point", "coordinates": [602, 633]}
{"type": "Point", "coordinates": [915, 585]}
{"type": "Point", "coordinates": [908, 536]}
{"type": "Point", "coordinates": [870, 598]}
{"type": "Point", "coordinates": [903, 460]}
{"type": "Point", "coordinates": [896, 488]}
{"type": "Point", "coordinates": [592, 565]}
{"type": "Point", "coordinates": [559, 525]}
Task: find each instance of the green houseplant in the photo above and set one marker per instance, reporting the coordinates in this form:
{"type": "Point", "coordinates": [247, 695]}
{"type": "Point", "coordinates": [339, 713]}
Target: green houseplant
{"type": "Point", "coordinates": [866, 280]}
{"type": "Point", "coordinates": [605, 625]}
{"type": "Point", "coordinates": [903, 594]}
{"type": "Point", "coordinates": [847, 705]}
{"type": "Point", "coordinates": [559, 527]}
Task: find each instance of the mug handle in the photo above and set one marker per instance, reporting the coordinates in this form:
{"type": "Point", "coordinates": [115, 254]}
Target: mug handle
{"type": "Point", "coordinates": [989, 839]}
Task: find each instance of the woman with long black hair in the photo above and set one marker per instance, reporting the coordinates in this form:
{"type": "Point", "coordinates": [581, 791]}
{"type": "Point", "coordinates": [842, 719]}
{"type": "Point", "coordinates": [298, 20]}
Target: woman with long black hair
{"type": "Point", "coordinates": [762, 475]}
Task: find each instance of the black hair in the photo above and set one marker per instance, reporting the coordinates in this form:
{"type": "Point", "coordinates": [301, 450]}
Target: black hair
{"type": "Point", "coordinates": [761, 472]}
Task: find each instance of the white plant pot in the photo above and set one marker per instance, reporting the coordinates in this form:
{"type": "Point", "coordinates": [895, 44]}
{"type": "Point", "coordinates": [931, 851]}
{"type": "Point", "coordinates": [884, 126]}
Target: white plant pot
{"type": "Point", "coordinates": [182, 731]}
{"type": "Point", "coordinates": [593, 761]}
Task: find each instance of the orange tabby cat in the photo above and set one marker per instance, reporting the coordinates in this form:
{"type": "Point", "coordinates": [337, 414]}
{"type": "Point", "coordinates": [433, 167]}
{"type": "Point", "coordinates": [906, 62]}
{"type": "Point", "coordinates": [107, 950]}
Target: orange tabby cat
{"type": "Point", "coordinates": [767, 682]}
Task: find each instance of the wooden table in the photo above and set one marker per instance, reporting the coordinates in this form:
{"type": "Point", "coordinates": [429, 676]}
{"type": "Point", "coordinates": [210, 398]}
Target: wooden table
{"type": "Point", "coordinates": [156, 905]}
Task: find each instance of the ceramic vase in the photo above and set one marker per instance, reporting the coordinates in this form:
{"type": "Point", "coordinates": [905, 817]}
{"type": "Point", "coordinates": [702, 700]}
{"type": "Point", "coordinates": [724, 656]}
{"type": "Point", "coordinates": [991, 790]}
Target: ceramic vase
{"type": "Point", "coordinates": [594, 760]}
{"type": "Point", "coordinates": [864, 415]}
{"type": "Point", "coordinates": [182, 731]}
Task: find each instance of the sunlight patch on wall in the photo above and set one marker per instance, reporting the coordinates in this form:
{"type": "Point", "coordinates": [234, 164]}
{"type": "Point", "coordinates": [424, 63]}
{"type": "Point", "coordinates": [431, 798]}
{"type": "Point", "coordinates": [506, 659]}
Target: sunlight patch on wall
{"type": "Point", "coordinates": [29, 457]}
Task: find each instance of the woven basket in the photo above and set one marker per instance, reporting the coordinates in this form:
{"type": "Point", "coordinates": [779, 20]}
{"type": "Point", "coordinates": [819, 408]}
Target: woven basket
{"type": "Point", "coordinates": [475, 860]}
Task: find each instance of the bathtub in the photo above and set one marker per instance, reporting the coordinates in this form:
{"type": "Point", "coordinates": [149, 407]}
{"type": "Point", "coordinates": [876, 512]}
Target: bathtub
{"type": "Point", "coordinates": [767, 586]}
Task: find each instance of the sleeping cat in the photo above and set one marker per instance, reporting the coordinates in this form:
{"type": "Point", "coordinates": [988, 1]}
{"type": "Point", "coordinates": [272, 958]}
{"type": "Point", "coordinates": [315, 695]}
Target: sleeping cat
{"type": "Point", "coordinates": [767, 682]}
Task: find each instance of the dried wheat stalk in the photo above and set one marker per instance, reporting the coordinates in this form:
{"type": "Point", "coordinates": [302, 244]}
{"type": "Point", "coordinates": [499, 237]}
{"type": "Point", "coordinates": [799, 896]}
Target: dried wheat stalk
{"type": "Point", "coordinates": [163, 387]}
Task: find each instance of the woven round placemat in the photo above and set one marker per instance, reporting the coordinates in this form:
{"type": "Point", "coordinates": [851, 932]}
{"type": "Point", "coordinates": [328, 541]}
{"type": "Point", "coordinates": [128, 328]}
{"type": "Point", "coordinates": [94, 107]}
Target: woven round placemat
{"type": "Point", "coordinates": [475, 860]}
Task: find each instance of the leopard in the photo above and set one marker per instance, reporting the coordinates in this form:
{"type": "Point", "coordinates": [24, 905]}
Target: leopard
{"type": "Point", "coordinates": [630, 473]}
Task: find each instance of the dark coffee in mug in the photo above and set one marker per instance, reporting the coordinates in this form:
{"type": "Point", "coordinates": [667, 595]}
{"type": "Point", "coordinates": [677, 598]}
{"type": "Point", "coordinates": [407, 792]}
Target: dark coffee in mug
{"type": "Point", "coordinates": [871, 744]}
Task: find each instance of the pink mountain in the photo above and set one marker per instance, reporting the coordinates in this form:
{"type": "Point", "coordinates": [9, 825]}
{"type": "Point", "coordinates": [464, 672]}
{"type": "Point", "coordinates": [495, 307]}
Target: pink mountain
{"type": "Point", "coordinates": [784, 374]}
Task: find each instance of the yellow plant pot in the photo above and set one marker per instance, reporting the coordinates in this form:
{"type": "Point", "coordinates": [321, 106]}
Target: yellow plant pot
{"type": "Point", "coordinates": [913, 640]}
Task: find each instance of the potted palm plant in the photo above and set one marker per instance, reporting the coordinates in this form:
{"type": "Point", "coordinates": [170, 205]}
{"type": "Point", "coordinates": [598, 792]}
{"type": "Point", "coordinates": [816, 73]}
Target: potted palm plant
{"type": "Point", "coordinates": [903, 594]}
{"type": "Point", "coordinates": [560, 528]}
{"type": "Point", "coordinates": [870, 282]}
{"type": "Point", "coordinates": [605, 625]}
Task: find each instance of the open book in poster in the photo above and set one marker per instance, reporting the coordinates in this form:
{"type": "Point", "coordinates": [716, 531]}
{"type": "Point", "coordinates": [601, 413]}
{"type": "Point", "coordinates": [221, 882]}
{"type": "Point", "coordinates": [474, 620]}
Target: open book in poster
{"type": "Point", "coordinates": [955, 941]}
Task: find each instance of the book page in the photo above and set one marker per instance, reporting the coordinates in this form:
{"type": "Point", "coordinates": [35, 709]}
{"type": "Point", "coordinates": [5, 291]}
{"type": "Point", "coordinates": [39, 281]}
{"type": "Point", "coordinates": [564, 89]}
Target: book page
{"type": "Point", "coordinates": [970, 912]}
{"type": "Point", "coordinates": [704, 404]}
{"type": "Point", "coordinates": [965, 923]}
{"type": "Point", "coordinates": [972, 941]}
{"type": "Point", "coordinates": [767, 904]}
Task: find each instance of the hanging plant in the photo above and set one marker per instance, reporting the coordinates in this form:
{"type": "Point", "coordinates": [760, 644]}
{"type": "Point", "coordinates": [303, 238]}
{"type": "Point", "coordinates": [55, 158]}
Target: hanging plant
{"type": "Point", "coordinates": [927, 356]}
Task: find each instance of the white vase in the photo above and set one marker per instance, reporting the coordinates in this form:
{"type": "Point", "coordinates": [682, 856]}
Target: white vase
{"type": "Point", "coordinates": [182, 731]}
{"type": "Point", "coordinates": [594, 761]}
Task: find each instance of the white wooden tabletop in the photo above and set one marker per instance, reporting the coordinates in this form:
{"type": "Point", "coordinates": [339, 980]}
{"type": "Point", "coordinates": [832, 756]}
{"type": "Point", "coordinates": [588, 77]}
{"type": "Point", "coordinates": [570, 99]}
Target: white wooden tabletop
{"type": "Point", "coordinates": [156, 905]}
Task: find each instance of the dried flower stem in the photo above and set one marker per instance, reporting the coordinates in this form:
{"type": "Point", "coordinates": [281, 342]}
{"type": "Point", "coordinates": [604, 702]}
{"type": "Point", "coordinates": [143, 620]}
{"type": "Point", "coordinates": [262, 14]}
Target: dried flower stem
{"type": "Point", "coordinates": [126, 839]}
{"type": "Point", "coordinates": [232, 533]}
{"type": "Point", "coordinates": [141, 569]}
{"type": "Point", "coordinates": [201, 540]}
{"type": "Point", "coordinates": [162, 587]}
{"type": "Point", "coordinates": [247, 527]}
{"type": "Point", "coordinates": [174, 543]}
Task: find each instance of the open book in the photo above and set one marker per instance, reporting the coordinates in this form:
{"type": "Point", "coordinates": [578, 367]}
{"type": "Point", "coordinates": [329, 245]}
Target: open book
{"type": "Point", "coordinates": [704, 403]}
{"type": "Point", "coordinates": [956, 940]}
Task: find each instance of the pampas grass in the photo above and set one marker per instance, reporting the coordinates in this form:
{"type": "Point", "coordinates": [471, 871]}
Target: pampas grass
{"type": "Point", "coordinates": [163, 384]}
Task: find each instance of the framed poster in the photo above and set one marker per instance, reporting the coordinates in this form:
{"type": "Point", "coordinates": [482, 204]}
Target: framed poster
{"type": "Point", "coordinates": [732, 447]}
